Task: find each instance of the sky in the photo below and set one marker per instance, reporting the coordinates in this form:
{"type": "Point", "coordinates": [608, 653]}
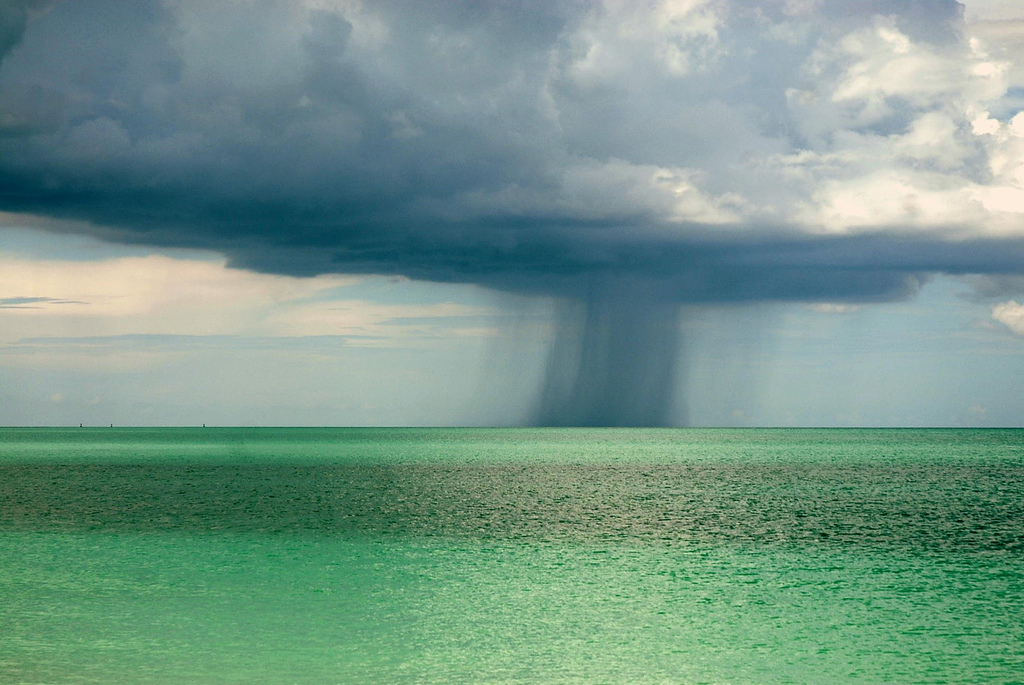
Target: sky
{"type": "Point", "coordinates": [512, 212]}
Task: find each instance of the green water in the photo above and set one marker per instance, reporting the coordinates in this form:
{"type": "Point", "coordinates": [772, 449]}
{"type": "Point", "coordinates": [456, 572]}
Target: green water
{"type": "Point", "coordinates": [520, 556]}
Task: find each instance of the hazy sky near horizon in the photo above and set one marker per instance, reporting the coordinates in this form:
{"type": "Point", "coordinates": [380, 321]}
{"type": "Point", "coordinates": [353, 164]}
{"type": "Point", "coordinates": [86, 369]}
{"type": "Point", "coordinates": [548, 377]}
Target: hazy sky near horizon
{"type": "Point", "coordinates": [332, 212]}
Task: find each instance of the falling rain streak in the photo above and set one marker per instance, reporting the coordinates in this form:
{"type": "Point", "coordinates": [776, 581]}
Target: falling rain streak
{"type": "Point", "coordinates": [613, 359]}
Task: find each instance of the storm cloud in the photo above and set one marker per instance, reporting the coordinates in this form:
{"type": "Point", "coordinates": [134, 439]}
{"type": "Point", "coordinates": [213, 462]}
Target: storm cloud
{"type": "Point", "coordinates": [654, 152]}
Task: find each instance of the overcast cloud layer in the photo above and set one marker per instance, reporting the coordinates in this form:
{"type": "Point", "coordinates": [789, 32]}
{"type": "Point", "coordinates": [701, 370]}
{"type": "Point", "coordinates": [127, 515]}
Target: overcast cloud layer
{"type": "Point", "coordinates": [726, 150]}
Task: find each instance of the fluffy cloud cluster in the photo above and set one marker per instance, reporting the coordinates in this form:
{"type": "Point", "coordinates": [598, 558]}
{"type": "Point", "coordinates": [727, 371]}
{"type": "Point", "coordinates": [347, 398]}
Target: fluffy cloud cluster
{"type": "Point", "coordinates": [790, 149]}
{"type": "Point", "coordinates": [1011, 315]}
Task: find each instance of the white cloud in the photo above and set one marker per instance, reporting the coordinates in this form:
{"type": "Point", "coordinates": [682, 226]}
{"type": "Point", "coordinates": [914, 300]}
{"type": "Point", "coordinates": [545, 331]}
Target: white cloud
{"type": "Point", "coordinates": [833, 308]}
{"type": "Point", "coordinates": [361, 317]}
{"type": "Point", "coordinates": [589, 189]}
{"type": "Point", "coordinates": [856, 176]}
{"type": "Point", "coordinates": [676, 37]}
{"type": "Point", "coordinates": [896, 131]}
{"type": "Point", "coordinates": [882, 63]}
{"type": "Point", "coordinates": [162, 295]}
{"type": "Point", "coordinates": [1005, 40]}
{"type": "Point", "coordinates": [1011, 315]}
{"type": "Point", "coordinates": [992, 10]}
{"type": "Point", "coordinates": [154, 295]}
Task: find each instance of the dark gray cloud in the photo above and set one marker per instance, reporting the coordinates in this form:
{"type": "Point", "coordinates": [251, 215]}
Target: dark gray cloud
{"type": "Point", "coordinates": [13, 19]}
{"type": "Point", "coordinates": [691, 151]}
{"type": "Point", "coordinates": [989, 288]}
{"type": "Point", "coordinates": [473, 141]}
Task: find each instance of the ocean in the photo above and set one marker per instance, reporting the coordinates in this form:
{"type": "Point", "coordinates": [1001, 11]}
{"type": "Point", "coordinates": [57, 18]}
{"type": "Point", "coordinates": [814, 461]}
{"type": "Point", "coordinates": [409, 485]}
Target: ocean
{"type": "Point", "coordinates": [209, 555]}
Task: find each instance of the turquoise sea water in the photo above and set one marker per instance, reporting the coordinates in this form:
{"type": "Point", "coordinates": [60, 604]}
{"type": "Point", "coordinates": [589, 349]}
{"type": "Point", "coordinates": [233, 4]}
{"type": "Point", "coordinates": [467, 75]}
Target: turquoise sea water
{"type": "Point", "coordinates": [521, 556]}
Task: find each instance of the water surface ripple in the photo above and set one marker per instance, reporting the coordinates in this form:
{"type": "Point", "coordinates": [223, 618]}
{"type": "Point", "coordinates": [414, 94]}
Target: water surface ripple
{"type": "Point", "coordinates": [920, 506]}
{"type": "Point", "coordinates": [511, 556]}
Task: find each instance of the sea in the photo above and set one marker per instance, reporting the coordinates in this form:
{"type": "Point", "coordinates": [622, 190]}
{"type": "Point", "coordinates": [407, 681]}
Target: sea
{"type": "Point", "coordinates": [348, 555]}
